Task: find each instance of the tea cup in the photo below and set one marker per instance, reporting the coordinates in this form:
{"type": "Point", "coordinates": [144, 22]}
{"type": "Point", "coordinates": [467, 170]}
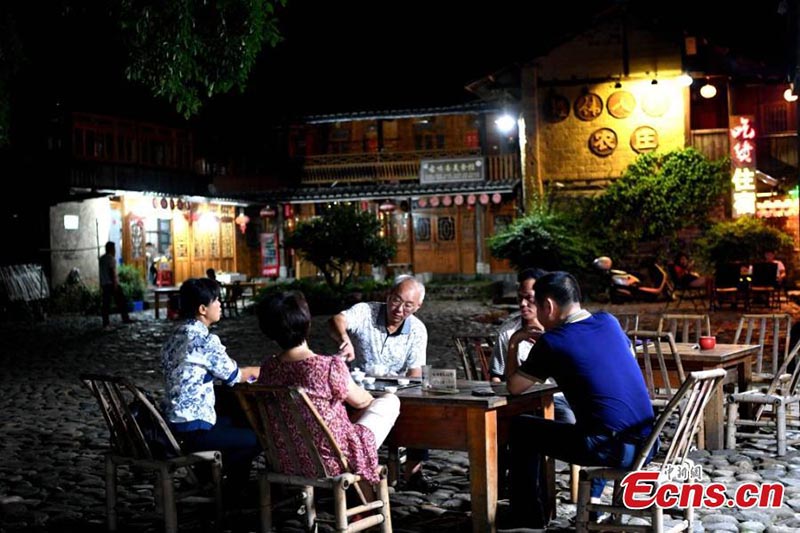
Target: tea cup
{"type": "Point", "coordinates": [708, 342]}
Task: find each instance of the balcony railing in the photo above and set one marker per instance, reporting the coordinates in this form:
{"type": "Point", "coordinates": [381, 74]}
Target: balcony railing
{"type": "Point", "coordinates": [772, 150]}
{"type": "Point", "coordinates": [394, 166]}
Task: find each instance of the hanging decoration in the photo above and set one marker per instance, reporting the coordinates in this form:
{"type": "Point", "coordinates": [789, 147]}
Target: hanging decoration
{"type": "Point", "coordinates": [447, 201]}
{"type": "Point", "coordinates": [497, 198]}
{"type": "Point", "coordinates": [434, 201]}
{"type": "Point", "coordinates": [459, 199]}
{"type": "Point", "coordinates": [241, 221]}
{"type": "Point", "coordinates": [484, 199]}
{"type": "Point", "coordinates": [387, 206]}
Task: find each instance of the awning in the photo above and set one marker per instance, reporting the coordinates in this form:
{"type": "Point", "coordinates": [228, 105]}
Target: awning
{"type": "Point", "coordinates": [354, 193]}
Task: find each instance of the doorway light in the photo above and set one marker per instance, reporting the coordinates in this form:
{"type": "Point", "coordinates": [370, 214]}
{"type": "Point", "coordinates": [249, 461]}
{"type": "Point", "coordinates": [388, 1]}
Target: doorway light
{"type": "Point", "coordinates": [708, 90]}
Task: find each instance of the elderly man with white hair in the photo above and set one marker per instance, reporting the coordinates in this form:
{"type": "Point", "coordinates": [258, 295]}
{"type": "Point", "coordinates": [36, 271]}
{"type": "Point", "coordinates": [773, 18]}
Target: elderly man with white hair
{"type": "Point", "coordinates": [386, 337]}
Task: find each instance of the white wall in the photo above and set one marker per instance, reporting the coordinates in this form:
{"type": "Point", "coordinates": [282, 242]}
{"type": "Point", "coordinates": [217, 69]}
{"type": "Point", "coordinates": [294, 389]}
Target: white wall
{"type": "Point", "coordinates": [79, 247]}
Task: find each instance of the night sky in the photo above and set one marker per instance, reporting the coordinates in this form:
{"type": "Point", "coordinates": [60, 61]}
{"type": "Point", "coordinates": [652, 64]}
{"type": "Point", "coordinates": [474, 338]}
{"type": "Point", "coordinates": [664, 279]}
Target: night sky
{"type": "Point", "coordinates": [349, 56]}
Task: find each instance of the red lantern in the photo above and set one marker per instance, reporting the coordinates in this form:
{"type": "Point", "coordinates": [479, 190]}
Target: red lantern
{"type": "Point", "coordinates": [471, 199]}
{"type": "Point", "coordinates": [387, 206]}
{"type": "Point", "coordinates": [497, 198]}
{"type": "Point", "coordinates": [242, 220]}
{"type": "Point", "coordinates": [268, 212]}
{"type": "Point", "coordinates": [459, 199]}
{"type": "Point", "coordinates": [484, 199]}
{"type": "Point", "coordinates": [435, 201]}
{"type": "Point", "coordinates": [447, 201]}
{"type": "Point", "coordinates": [422, 202]}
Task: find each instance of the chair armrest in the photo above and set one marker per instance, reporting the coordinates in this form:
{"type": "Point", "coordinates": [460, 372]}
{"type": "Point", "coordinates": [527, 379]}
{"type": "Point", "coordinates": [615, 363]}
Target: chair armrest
{"type": "Point", "coordinates": [754, 397]}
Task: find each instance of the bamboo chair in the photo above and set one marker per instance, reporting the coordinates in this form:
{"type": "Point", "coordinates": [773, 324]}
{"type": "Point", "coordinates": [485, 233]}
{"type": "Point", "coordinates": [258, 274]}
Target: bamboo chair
{"type": "Point", "coordinates": [755, 331]}
{"type": "Point", "coordinates": [475, 353]}
{"type": "Point", "coordinates": [131, 446]}
{"type": "Point", "coordinates": [650, 350]}
{"type": "Point", "coordinates": [628, 321]}
{"type": "Point", "coordinates": [672, 323]}
{"type": "Point", "coordinates": [693, 396]}
{"type": "Point", "coordinates": [682, 293]}
{"type": "Point", "coordinates": [771, 408]}
{"type": "Point", "coordinates": [285, 418]}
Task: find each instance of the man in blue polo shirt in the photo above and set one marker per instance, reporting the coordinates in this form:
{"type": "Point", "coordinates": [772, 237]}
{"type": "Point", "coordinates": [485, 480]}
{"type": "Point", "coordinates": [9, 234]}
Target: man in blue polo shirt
{"type": "Point", "coordinates": [386, 338]}
{"type": "Point", "coordinates": [590, 358]}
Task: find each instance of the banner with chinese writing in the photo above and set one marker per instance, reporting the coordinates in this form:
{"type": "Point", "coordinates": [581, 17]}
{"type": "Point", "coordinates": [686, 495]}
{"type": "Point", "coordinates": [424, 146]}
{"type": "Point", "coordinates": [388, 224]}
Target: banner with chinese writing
{"type": "Point", "coordinates": [743, 164]}
{"type": "Point", "coordinates": [450, 170]}
{"type": "Point", "coordinates": [270, 262]}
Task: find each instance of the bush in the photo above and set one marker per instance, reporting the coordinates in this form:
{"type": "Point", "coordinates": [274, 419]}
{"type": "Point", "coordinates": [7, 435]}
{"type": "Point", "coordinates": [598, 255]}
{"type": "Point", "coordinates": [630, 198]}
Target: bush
{"type": "Point", "coordinates": [547, 238]}
{"type": "Point", "coordinates": [743, 240]}
{"type": "Point", "coordinates": [132, 283]}
{"type": "Point", "coordinates": [73, 296]}
{"type": "Point", "coordinates": [657, 196]}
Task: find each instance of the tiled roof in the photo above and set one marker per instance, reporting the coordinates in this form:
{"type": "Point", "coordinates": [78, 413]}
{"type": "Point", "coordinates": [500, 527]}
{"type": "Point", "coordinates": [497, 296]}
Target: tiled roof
{"type": "Point", "coordinates": [479, 106]}
{"type": "Point", "coordinates": [306, 195]}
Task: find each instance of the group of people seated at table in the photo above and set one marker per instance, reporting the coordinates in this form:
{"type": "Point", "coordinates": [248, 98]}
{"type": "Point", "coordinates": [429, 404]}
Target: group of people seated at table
{"type": "Point", "coordinates": [603, 416]}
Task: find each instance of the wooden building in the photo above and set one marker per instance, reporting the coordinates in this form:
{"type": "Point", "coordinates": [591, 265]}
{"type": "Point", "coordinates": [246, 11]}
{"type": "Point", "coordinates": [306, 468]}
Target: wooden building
{"type": "Point", "coordinates": [138, 183]}
{"type": "Point", "coordinates": [441, 180]}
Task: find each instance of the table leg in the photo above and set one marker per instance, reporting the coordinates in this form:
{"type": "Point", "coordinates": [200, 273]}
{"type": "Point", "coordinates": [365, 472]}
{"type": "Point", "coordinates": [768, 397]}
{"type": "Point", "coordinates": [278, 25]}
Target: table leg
{"type": "Point", "coordinates": [482, 447]}
{"type": "Point", "coordinates": [714, 420]}
{"type": "Point", "coordinates": [549, 412]}
{"type": "Point", "coordinates": [155, 302]}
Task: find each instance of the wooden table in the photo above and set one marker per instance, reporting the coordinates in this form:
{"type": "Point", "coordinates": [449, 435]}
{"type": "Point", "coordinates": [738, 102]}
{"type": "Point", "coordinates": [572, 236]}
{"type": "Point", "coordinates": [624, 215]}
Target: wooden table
{"type": "Point", "coordinates": [158, 291]}
{"type": "Point", "coordinates": [475, 424]}
{"type": "Point", "coordinates": [738, 357]}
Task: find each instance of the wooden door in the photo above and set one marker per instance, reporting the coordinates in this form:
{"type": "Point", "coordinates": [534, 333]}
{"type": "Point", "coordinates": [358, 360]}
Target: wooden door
{"type": "Point", "coordinates": [436, 240]}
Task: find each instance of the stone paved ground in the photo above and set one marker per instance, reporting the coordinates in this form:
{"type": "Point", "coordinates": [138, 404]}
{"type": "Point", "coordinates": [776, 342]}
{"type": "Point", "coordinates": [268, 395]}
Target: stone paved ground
{"type": "Point", "coordinates": [52, 436]}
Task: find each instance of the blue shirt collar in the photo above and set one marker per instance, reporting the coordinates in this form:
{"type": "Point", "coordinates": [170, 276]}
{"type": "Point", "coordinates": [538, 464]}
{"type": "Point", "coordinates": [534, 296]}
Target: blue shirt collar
{"type": "Point", "coordinates": [405, 327]}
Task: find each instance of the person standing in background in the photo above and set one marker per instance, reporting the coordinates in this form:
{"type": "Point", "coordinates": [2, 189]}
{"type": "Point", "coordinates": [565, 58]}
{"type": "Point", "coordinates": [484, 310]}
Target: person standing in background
{"type": "Point", "coordinates": [109, 284]}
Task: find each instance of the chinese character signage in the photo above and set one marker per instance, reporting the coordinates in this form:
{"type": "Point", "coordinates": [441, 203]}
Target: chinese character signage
{"type": "Point", "coordinates": [449, 170]}
{"type": "Point", "coordinates": [743, 164]}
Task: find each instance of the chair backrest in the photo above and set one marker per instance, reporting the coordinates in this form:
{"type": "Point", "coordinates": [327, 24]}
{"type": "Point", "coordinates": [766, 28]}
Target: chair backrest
{"type": "Point", "coordinates": [727, 276]}
{"type": "Point", "coordinates": [119, 399]}
{"type": "Point", "coordinates": [692, 397]}
{"type": "Point", "coordinates": [650, 350]}
{"type": "Point", "coordinates": [294, 436]}
{"type": "Point", "coordinates": [672, 323]}
{"type": "Point", "coordinates": [764, 329]}
{"type": "Point", "coordinates": [628, 321]}
{"type": "Point", "coordinates": [475, 352]}
{"type": "Point", "coordinates": [765, 274]}
{"type": "Point", "coordinates": [779, 384]}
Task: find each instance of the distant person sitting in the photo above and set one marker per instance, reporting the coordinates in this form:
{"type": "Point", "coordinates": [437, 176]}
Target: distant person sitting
{"type": "Point", "coordinates": [780, 278]}
{"type": "Point", "coordinates": [211, 274]}
{"type": "Point", "coordinates": [109, 284]}
{"type": "Point", "coordinates": [686, 278]}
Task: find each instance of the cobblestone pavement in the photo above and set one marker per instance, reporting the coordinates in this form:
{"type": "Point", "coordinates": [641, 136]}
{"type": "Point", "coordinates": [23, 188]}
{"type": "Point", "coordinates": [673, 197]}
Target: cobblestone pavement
{"type": "Point", "coordinates": [52, 435]}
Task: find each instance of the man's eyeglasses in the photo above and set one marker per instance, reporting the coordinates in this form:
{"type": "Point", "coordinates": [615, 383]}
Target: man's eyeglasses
{"type": "Point", "coordinates": [396, 301]}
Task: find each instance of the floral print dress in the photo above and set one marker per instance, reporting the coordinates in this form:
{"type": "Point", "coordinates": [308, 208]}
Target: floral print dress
{"type": "Point", "coordinates": [325, 379]}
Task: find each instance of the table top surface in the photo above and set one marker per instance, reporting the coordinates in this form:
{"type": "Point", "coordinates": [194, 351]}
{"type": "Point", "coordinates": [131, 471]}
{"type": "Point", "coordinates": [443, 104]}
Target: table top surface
{"type": "Point", "coordinates": [719, 353]}
{"type": "Point", "coordinates": [465, 397]}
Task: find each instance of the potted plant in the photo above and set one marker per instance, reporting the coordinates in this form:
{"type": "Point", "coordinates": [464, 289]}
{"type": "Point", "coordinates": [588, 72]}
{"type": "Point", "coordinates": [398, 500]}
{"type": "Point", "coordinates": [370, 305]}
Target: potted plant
{"type": "Point", "coordinates": [133, 286]}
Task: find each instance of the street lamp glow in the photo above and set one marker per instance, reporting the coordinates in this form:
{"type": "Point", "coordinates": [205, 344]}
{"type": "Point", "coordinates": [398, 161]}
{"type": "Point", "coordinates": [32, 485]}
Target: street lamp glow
{"type": "Point", "coordinates": [684, 80]}
{"type": "Point", "coordinates": [505, 123]}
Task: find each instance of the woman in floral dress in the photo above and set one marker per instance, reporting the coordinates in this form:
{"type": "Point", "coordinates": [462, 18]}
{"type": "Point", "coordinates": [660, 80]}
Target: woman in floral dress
{"type": "Point", "coordinates": [285, 318]}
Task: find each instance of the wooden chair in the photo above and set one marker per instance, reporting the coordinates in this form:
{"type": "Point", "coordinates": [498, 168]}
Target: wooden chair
{"type": "Point", "coordinates": [763, 284]}
{"type": "Point", "coordinates": [475, 352]}
{"type": "Point", "coordinates": [118, 398]}
{"type": "Point", "coordinates": [753, 329]}
{"type": "Point", "coordinates": [771, 405]}
{"type": "Point", "coordinates": [681, 292]}
{"type": "Point", "coordinates": [650, 348]}
{"type": "Point", "coordinates": [673, 322]}
{"type": "Point", "coordinates": [693, 396]}
{"type": "Point", "coordinates": [628, 321]}
{"type": "Point", "coordinates": [232, 295]}
{"type": "Point", "coordinates": [273, 411]}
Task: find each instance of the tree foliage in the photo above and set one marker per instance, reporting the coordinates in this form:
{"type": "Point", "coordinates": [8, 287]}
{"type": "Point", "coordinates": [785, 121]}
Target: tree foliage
{"type": "Point", "coordinates": [340, 240]}
{"type": "Point", "coordinates": [187, 50]}
{"type": "Point", "coordinates": [742, 240]}
{"type": "Point", "coordinates": [657, 196]}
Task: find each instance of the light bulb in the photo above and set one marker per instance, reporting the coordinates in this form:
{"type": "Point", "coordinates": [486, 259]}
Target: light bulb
{"type": "Point", "coordinates": [789, 96]}
{"type": "Point", "coordinates": [708, 91]}
{"type": "Point", "coordinates": [684, 80]}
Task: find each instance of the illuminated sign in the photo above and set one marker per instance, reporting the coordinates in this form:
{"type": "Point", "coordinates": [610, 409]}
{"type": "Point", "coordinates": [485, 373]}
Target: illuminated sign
{"type": "Point", "coordinates": [743, 164]}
